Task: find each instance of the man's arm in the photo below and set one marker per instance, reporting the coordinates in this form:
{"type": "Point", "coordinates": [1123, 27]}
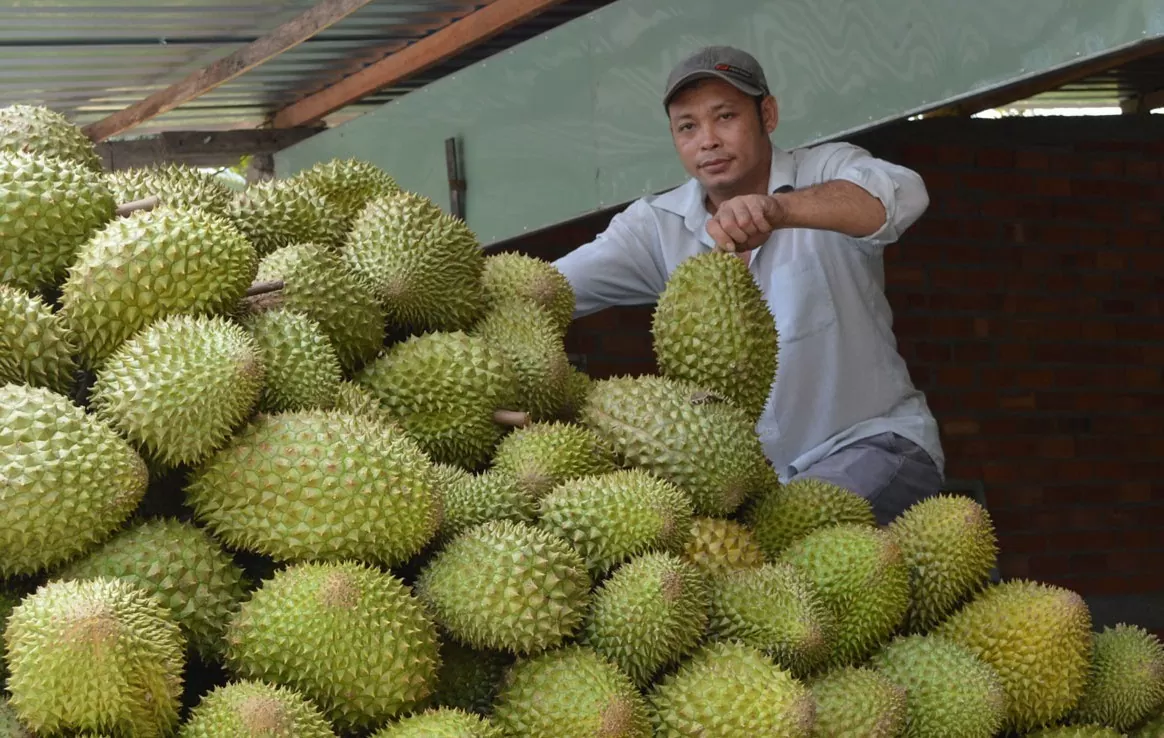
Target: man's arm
{"type": "Point", "coordinates": [623, 265]}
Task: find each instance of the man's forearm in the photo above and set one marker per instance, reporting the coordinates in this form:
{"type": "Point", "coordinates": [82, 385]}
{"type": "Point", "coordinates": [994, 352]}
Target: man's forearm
{"type": "Point", "coordinates": [837, 205]}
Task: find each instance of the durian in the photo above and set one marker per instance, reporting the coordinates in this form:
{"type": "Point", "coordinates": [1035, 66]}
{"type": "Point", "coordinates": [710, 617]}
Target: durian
{"type": "Point", "coordinates": [347, 185]}
{"type": "Point", "coordinates": [359, 400]}
{"type": "Point", "coordinates": [860, 702]}
{"type": "Point", "coordinates": [543, 455]}
{"type": "Point", "coordinates": [1125, 684]}
{"type": "Point", "coordinates": [181, 387]}
{"type": "Point", "coordinates": [10, 725]}
{"type": "Point", "coordinates": [785, 513]}
{"type": "Point", "coordinates": [98, 655]}
{"type": "Point", "coordinates": [303, 371]}
{"type": "Point", "coordinates": [441, 723]}
{"type": "Point", "coordinates": [712, 327]}
{"type": "Point", "coordinates": [39, 130]}
{"type": "Point", "coordinates": [349, 637]}
{"type": "Point", "coordinates": [317, 284]}
{"type": "Point", "coordinates": [443, 389]}
{"type": "Point", "coordinates": [283, 212]}
{"type": "Point", "coordinates": [718, 546]}
{"type": "Point", "coordinates": [48, 209]}
{"type": "Point", "coordinates": [175, 186]}
{"type": "Point", "coordinates": [776, 609]}
{"type": "Point", "coordinates": [1077, 731]}
{"type": "Point", "coordinates": [731, 690]}
{"type": "Point", "coordinates": [951, 692]}
{"type": "Point", "coordinates": [505, 585]}
{"type": "Point", "coordinates": [648, 614]}
{"type": "Point", "coordinates": [471, 499]}
{"type": "Point", "coordinates": [180, 564]}
{"type": "Point", "coordinates": [424, 265]}
{"type": "Point", "coordinates": [860, 575]}
{"type": "Point", "coordinates": [317, 485]}
{"type": "Point", "coordinates": [252, 709]}
{"type": "Point", "coordinates": [468, 678]}
{"type": "Point", "coordinates": [610, 518]}
{"type": "Point", "coordinates": [1038, 638]}
{"type": "Point", "coordinates": [570, 692]}
{"type": "Point", "coordinates": [151, 265]}
{"type": "Point", "coordinates": [67, 480]}
{"type": "Point", "coordinates": [511, 276]}
{"type": "Point", "coordinates": [526, 336]}
{"type": "Point", "coordinates": [681, 433]}
{"type": "Point", "coordinates": [36, 347]}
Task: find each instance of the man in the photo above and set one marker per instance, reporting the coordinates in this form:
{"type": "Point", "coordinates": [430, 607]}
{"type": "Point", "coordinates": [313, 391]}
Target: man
{"type": "Point", "coordinates": [812, 224]}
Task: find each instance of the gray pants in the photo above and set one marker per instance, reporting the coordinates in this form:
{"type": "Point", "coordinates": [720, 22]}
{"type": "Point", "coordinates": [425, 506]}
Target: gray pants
{"type": "Point", "coordinates": [888, 470]}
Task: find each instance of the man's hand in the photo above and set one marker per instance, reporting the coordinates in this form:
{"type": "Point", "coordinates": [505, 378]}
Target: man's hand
{"type": "Point", "coordinates": [745, 222]}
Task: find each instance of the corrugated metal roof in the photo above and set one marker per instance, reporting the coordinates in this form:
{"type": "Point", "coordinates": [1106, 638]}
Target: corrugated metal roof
{"type": "Point", "coordinates": [90, 58]}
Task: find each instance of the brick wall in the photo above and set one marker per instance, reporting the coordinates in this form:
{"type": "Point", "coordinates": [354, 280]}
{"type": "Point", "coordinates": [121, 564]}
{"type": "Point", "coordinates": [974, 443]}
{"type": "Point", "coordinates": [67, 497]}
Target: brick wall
{"type": "Point", "coordinates": [1028, 305]}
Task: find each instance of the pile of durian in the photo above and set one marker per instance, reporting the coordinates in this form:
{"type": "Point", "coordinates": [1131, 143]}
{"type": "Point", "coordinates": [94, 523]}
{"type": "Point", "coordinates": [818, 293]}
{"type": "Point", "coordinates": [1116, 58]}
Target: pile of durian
{"type": "Point", "coordinates": [303, 461]}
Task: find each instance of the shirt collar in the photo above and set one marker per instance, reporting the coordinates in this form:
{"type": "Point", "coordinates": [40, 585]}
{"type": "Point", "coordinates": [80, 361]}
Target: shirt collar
{"type": "Point", "coordinates": [686, 200]}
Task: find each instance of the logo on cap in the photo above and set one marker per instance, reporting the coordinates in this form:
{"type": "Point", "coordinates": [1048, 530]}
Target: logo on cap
{"type": "Point", "coordinates": [721, 67]}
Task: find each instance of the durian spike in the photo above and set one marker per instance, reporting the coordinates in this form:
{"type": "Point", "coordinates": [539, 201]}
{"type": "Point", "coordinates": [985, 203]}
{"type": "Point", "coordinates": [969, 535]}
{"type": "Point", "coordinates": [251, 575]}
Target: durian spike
{"type": "Point", "coordinates": [262, 288]}
{"type": "Point", "coordinates": [512, 418]}
{"type": "Point", "coordinates": [148, 203]}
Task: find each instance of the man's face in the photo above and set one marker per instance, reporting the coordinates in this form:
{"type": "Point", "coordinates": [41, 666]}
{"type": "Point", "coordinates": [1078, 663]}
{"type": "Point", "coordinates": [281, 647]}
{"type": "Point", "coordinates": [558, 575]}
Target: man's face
{"type": "Point", "coordinates": [720, 138]}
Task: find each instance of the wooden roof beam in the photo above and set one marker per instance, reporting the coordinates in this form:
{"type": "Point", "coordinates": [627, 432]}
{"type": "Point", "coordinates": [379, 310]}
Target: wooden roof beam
{"type": "Point", "coordinates": [287, 36]}
{"type": "Point", "coordinates": [449, 41]}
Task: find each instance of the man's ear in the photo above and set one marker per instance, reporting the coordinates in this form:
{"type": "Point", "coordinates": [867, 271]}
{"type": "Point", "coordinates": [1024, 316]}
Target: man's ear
{"type": "Point", "coordinates": [770, 112]}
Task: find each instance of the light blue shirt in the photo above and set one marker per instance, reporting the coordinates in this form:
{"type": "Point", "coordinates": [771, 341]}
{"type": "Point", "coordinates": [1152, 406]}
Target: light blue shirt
{"type": "Point", "coordinates": [840, 377]}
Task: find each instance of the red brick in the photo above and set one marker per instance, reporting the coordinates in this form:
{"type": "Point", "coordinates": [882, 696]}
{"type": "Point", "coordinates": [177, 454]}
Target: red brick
{"type": "Point", "coordinates": [995, 158]}
{"type": "Point", "coordinates": [1053, 186]}
{"type": "Point", "coordinates": [1107, 166]}
{"type": "Point", "coordinates": [1031, 160]}
{"type": "Point", "coordinates": [956, 376]}
{"type": "Point", "coordinates": [1142, 169]}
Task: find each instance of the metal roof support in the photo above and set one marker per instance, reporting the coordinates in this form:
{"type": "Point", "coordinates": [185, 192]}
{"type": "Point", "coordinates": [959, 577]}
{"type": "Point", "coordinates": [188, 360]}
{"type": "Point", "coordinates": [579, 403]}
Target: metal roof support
{"type": "Point", "coordinates": [287, 36]}
{"type": "Point", "coordinates": [454, 38]}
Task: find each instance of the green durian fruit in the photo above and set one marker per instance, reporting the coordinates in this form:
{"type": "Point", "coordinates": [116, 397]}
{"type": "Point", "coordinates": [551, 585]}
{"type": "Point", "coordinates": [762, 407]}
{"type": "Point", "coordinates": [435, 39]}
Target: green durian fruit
{"type": "Point", "coordinates": [443, 389]}
{"type": "Point", "coordinates": [1153, 727]}
{"type": "Point", "coordinates": [648, 614]}
{"type": "Point", "coordinates": [1125, 684]}
{"type": "Point", "coordinates": [183, 566]}
{"type": "Point", "coordinates": [731, 690]}
{"type": "Point", "coordinates": [317, 284]}
{"type": "Point", "coordinates": [570, 692]}
{"type": "Point", "coordinates": [8, 600]}
{"type": "Point", "coordinates": [1077, 731]}
{"type": "Point", "coordinates": [359, 400]}
{"type": "Point", "coordinates": [950, 546]}
{"type": "Point", "coordinates": [48, 209]}
{"type": "Point", "coordinates": [67, 480]}
{"type": "Point", "coordinates": [275, 213]}
{"type": "Point", "coordinates": [317, 485]}
{"type": "Point", "coordinates": [347, 185]}
{"type": "Point", "coordinates": [610, 518]}
{"type": "Point", "coordinates": [39, 130]}
{"type": "Point", "coordinates": [785, 513]}
{"type": "Point", "coordinates": [252, 709]}
{"type": "Point", "coordinates": [303, 371]}
{"type": "Point", "coordinates": [36, 347]}
{"type": "Point", "coordinates": [858, 701]}
{"type": "Point", "coordinates": [175, 186]}
{"type": "Point", "coordinates": [180, 387]}
{"type": "Point", "coordinates": [718, 546]}
{"type": "Point", "coordinates": [95, 655]}
{"type": "Point", "coordinates": [478, 498]}
{"type": "Point", "coordinates": [681, 433]}
{"type": "Point", "coordinates": [424, 264]}
{"type": "Point", "coordinates": [777, 610]}
{"type": "Point", "coordinates": [508, 586]}
{"type": "Point", "coordinates": [861, 577]}
{"type": "Point", "coordinates": [543, 455]}
{"type": "Point", "coordinates": [468, 678]}
{"type": "Point", "coordinates": [349, 637]}
{"type": "Point", "coordinates": [1038, 638]}
{"type": "Point", "coordinates": [951, 692]}
{"type": "Point", "coordinates": [578, 386]}
{"type": "Point", "coordinates": [10, 725]}
{"type": "Point", "coordinates": [441, 723]}
{"type": "Point", "coordinates": [511, 276]}
{"type": "Point", "coordinates": [148, 266]}
{"type": "Point", "coordinates": [712, 327]}
{"type": "Point", "coordinates": [529, 341]}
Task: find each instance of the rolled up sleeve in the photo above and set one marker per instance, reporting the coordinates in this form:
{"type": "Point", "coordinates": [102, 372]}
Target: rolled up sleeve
{"type": "Point", "coordinates": [899, 189]}
{"type": "Point", "coordinates": [623, 265]}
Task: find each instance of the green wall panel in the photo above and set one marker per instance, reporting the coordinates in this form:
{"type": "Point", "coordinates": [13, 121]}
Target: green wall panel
{"type": "Point", "coordinates": [570, 122]}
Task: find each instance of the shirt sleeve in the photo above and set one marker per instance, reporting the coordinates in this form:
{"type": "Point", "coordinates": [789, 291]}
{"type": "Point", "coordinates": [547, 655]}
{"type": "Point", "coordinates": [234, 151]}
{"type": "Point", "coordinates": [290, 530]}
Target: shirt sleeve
{"type": "Point", "coordinates": [623, 265]}
{"type": "Point", "coordinates": [901, 190]}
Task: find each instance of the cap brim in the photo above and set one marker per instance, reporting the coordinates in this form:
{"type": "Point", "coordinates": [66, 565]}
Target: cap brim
{"type": "Point", "coordinates": [686, 79]}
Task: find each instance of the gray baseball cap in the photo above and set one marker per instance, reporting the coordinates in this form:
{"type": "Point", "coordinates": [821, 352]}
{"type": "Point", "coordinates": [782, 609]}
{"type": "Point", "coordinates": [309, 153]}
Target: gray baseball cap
{"type": "Point", "coordinates": [730, 64]}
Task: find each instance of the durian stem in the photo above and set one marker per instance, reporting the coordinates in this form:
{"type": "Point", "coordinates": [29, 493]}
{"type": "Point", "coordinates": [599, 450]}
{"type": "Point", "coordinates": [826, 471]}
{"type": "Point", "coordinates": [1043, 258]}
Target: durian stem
{"type": "Point", "coordinates": [512, 418]}
{"type": "Point", "coordinates": [148, 203]}
{"type": "Point", "coordinates": [262, 288]}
